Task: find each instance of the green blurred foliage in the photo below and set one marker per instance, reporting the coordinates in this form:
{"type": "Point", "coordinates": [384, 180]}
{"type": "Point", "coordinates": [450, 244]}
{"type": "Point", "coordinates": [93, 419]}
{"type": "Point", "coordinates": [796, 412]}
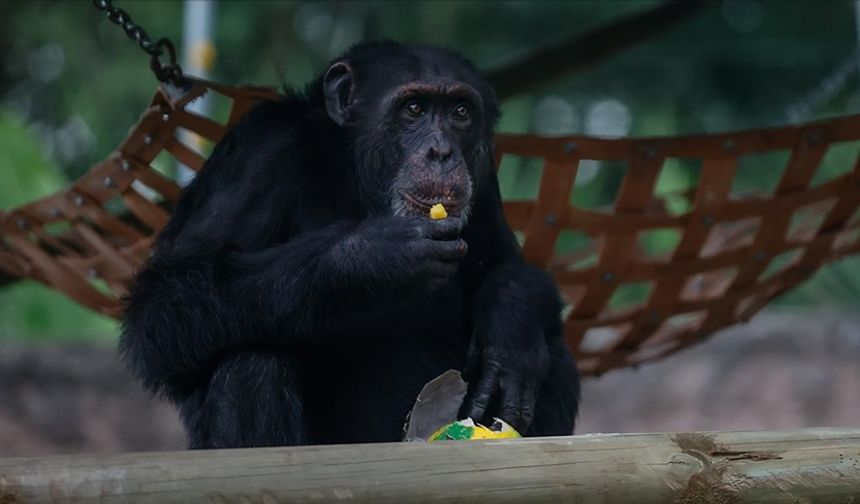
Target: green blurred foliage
{"type": "Point", "coordinates": [29, 173]}
{"type": "Point", "coordinates": [71, 84]}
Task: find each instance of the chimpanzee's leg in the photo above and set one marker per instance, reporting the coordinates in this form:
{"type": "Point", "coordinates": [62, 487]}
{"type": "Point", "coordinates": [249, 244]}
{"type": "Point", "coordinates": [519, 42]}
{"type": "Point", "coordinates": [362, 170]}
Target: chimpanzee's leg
{"type": "Point", "coordinates": [252, 399]}
{"type": "Point", "coordinates": [558, 399]}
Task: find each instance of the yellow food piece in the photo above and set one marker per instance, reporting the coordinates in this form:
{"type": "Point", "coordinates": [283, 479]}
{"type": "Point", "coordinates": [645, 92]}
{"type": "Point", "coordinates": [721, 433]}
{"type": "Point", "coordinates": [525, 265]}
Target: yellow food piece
{"type": "Point", "coordinates": [438, 211]}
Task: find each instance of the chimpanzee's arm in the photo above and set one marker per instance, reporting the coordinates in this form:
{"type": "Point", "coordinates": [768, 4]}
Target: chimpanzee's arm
{"type": "Point", "coordinates": [347, 276]}
{"type": "Point", "coordinates": [186, 313]}
{"type": "Point", "coordinates": [517, 317]}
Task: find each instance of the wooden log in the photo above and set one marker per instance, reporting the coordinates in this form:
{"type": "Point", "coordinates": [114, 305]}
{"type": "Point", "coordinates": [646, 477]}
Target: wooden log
{"type": "Point", "coordinates": [800, 466]}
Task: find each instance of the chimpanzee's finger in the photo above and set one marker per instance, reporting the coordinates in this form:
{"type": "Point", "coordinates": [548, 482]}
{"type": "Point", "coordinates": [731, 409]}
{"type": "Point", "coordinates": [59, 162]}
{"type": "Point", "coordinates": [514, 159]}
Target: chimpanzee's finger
{"type": "Point", "coordinates": [528, 402]}
{"type": "Point", "coordinates": [445, 229]}
{"type": "Point", "coordinates": [484, 392]}
{"type": "Point", "coordinates": [511, 407]}
{"type": "Point", "coordinates": [452, 250]}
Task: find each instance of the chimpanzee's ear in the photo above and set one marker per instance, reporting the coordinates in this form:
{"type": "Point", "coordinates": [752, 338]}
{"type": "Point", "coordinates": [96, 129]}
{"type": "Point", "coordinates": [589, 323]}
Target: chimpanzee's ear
{"type": "Point", "coordinates": [338, 89]}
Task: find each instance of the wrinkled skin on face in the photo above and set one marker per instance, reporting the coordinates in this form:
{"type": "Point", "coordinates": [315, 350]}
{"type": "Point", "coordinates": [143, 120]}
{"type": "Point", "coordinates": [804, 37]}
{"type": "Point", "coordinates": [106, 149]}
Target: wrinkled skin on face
{"type": "Point", "coordinates": [418, 136]}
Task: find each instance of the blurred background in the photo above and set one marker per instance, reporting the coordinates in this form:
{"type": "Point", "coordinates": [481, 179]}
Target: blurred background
{"type": "Point", "coordinates": [71, 85]}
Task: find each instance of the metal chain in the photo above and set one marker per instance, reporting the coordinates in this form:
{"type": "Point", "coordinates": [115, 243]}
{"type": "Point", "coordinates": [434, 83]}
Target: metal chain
{"type": "Point", "coordinates": [169, 71]}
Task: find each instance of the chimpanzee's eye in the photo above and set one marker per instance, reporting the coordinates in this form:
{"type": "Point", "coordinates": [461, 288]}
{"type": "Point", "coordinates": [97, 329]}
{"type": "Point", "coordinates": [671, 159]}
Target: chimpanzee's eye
{"type": "Point", "coordinates": [414, 108]}
{"type": "Point", "coordinates": [461, 112]}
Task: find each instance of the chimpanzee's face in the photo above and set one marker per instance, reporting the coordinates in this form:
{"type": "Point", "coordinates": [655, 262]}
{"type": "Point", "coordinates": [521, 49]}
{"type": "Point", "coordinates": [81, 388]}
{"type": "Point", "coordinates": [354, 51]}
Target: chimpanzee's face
{"type": "Point", "coordinates": [436, 125]}
{"type": "Point", "coordinates": [420, 125]}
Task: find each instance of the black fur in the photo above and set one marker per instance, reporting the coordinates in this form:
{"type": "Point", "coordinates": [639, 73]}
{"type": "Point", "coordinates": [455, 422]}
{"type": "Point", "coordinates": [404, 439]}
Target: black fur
{"type": "Point", "coordinates": [286, 304]}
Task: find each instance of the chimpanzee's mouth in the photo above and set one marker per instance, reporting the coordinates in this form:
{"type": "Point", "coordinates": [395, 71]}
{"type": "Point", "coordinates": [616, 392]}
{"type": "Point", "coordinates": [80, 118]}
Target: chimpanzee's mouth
{"type": "Point", "coordinates": [421, 206]}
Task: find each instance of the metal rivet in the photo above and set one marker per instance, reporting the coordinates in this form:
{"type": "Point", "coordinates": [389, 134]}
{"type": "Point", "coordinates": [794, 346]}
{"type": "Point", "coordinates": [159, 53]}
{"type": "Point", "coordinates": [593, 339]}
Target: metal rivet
{"type": "Point", "coordinates": [707, 220]}
{"type": "Point", "coordinates": [551, 219]}
{"type": "Point", "coordinates": [79, 200]}
{"type": "Point", "coordinates": [92, 273]}
{"type": "Point", "coordinates": [22, 224]}
{"type": "Point", "coordinates": [648, 151]}
{"type": "Point", "coordinates": [569, 147]}
{"type": "Point", "coordinates": [759, 256]}
{"type": "Point", "coordinates": [165, 116]}
{"type": "Point", "coordinates": [108, 182]}
{"type": "Point", "coordinates": [125, 165]}
{"type": "Point", "coordinates": [608, 277]}
{"type": "Point", "coordinates": [55, 212]}
{"type": "Point", "coordinates": [147, 139]}
{"type": "Point", "coordinates": [729, 144]}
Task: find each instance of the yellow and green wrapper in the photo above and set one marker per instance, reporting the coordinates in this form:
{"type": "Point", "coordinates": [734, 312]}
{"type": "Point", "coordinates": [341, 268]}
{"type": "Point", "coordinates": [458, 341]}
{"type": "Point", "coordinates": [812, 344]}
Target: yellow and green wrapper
{"type": "Point", "coordinates": [468, 430]}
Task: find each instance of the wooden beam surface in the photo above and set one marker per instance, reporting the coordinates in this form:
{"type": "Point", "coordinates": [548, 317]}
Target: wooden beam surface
{"type": "Point", "coordinates": [800, 466]}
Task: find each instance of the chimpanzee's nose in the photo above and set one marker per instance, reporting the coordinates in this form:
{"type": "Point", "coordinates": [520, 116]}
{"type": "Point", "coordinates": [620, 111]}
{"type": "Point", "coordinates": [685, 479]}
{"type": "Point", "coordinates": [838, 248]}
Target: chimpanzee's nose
{"type": "Point", "coordinates": [440, 152]}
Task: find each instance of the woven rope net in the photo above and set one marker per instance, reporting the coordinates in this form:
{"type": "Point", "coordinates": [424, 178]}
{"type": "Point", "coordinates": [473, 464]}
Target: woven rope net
{"type": "Point", "coordinates": [730, 257]}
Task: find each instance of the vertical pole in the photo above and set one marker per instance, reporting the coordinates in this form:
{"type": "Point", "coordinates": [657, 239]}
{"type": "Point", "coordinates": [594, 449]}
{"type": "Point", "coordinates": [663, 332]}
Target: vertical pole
{"type": "Point", "coordinates": [198, 52]}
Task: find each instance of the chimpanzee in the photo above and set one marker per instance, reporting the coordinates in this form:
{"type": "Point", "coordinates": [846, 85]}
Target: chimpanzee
{"type": "Point", "coordinates": [301, 294]}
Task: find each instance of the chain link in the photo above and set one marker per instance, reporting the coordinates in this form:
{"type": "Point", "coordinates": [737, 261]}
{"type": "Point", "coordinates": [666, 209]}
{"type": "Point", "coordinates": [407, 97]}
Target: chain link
{"type": "Point", "coordinates": [165, 72]}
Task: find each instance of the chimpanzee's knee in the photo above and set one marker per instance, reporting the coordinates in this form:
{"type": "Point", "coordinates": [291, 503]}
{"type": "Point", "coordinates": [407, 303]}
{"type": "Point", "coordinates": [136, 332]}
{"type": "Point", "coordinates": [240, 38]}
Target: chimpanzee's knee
{"type": "Point", "coordinates": [252, 399]}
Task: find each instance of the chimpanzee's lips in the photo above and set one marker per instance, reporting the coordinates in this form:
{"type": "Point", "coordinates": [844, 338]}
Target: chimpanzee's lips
{"type": "Point", "coordinates": [423, 205]}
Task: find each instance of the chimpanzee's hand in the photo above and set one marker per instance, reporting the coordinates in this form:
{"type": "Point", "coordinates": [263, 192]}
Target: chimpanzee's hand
{"type": "Point", "coordinates": [413, 248]}
{"type": "Point", "coordinates": [517, 312]}
{"type": "Point", "coordinates": [509, 368]}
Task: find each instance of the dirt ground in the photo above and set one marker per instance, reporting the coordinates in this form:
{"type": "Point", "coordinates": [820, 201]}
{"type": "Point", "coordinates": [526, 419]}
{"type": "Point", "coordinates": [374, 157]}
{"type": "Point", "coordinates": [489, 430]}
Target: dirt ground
{"type": "Point", "coordinates": [781, 370]}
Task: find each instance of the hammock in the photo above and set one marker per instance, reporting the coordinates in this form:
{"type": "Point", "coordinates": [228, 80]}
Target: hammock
{"type": "Point", "coordinates": [732, 255]}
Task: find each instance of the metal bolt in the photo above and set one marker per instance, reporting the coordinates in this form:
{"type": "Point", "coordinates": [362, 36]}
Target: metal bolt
{"type": "Point", "coordinates": [125, 165]}
{"type": "Point", "coordinates": [55, 212]}
{"type": "Point", "coordinates": [729, 144]}
{"type": "Point", "coordinates": [147, 139]}
{"type": "Point", "coordinates": [707, 220]}
{"type": "Point", "coordinates": [569, 147]}
{"type": "Point", "coordinates": [108, 182]}
{"type": "Point", "coordinates": [22, 224]}
{"type": "Point", "coordinates": [92, 273]}
{"type": "Point", "coordinates": [608, 277]}
{"type": "Point", "coordinates": [551, 219]}
{"type": "Point", "coordinates": [79, 200]}
{"type": "Point", "coordinates": [165, 116]}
